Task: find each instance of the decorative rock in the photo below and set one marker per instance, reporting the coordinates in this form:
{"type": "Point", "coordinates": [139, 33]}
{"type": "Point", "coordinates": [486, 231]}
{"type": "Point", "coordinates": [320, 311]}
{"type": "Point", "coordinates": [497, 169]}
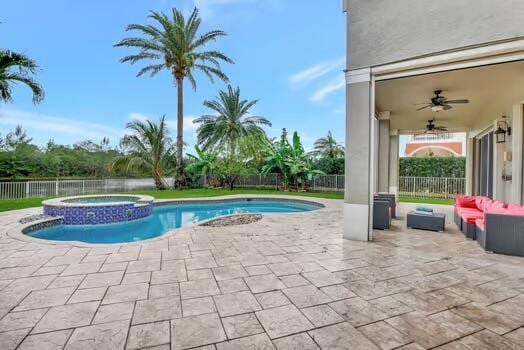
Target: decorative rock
{"type": "Point", "coordinates": [233, 220]}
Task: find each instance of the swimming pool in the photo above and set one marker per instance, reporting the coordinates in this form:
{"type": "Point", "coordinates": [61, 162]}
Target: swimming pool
{"type": "Point", "coordinates": [168, 217]}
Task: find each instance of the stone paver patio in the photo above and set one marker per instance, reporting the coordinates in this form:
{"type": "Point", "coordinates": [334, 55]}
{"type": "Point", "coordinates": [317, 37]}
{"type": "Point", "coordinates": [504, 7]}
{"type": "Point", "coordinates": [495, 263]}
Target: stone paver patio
{"type": "Point", "coordinates": [285, 282]}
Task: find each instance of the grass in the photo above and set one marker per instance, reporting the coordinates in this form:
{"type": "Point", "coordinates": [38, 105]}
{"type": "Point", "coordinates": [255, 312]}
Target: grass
{"type": "Point", "coordinates": [427, 201]}
{"type": "Point", "coordinates": [13, 204]}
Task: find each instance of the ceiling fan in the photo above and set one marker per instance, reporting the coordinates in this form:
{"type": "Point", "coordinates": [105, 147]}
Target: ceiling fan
{"type": "Point", "coordinates": [440, 103]}
{"type": "Point", "coordinates": [431, 128]}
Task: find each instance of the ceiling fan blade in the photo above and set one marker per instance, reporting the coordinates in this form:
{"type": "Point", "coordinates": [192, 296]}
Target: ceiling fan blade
{"type": "Point", "coordinates": [446, 107]}
{"type": "Point", "coordinates": [421, 108]}
{"type": "Point", "coordinates": [441, 128]}
{"type": "Point", "coordinates": [458, 101]}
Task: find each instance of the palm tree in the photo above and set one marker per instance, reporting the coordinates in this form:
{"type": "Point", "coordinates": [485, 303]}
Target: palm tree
{"type": "Point", "coordinates": [17, 68]}
{"type": "Point", "coordinates": [328, 147]}
{"type": "Point", "coordinates": [174, 44]}
{"type": "Point", "coordinates": [231, 122]}
{"type": "Point", "coordinates": [148, 148]}
{"type": "Point", "coordinates": [203, 163]}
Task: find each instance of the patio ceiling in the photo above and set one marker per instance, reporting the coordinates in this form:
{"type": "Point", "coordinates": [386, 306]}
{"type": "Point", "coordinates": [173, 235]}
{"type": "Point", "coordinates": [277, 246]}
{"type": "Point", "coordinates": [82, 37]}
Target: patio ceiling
{"type": "Point", "coordinates": [492, 91]}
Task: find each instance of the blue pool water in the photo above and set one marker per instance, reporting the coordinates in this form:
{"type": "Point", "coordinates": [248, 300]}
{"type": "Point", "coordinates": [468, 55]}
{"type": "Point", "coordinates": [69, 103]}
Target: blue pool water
{"type": "Point", "coordinates": [164, 219]}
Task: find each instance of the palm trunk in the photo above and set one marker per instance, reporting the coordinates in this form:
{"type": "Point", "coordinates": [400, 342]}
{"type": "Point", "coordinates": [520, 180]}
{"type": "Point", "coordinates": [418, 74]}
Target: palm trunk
{"type": "Point", "coordinates": [159, 179]}
{"type": "Point", "coordinates": [180, 182]}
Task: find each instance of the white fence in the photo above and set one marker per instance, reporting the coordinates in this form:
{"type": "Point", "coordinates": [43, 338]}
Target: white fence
{"type": "Point", "coordinates": [38, 189]}
{"type": "Point", "coordinates": [431, 187]}
{"type": "Point", "coordinates": [413, 187]}
{"type": "Point", "coordinates": [327, 183]}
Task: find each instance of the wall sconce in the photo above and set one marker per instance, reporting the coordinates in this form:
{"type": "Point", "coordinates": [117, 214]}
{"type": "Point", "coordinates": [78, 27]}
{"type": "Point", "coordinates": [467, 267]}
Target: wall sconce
{"type": "Point", "coordinates": [502, 129]}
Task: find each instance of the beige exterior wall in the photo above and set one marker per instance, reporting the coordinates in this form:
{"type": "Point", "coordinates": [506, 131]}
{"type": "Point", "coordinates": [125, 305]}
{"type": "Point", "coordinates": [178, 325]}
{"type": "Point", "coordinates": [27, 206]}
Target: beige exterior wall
{"type": "Point", "coordinates": [384, 31]}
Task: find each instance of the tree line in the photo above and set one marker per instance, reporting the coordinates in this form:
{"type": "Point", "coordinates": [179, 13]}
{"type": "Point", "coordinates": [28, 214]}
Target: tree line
{"type": "Point", "coordinates": [231, 141]}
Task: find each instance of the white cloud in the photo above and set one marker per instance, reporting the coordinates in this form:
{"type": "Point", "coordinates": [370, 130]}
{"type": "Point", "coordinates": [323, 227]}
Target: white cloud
{"type": "Point", "coordinates": [138, 116]}
{"type": "Point", "coordinates": [43, 127]}
{"type": "Point", "coordinates": [329, 89]}
{"type": "Point", "coordinates": [315, 72]}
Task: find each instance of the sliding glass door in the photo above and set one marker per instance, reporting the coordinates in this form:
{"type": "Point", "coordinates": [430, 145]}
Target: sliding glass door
{"type": "Point", "coordinates": [486, 165]}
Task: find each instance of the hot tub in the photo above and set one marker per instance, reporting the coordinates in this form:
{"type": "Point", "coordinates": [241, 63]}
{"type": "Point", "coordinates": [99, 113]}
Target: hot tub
{"type": "Point", "coordinates": [99, 209]}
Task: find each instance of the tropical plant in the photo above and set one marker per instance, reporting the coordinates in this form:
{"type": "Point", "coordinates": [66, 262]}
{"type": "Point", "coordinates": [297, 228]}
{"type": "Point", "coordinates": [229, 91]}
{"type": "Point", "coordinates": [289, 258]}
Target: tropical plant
{"type": "Point", "coordinates": [330, 166]}
{"type": "Point", "coordinates": [148, 148]}
{"type": "Point", "coordinates": [231, 122]}
{"type": "Point", "coordinates": [250, 149]}
{"type": "Point", "coordinates": [17, 68]}
{"type": "Point", "coordinates": [328, 147]}
{"type": "Point", "coordinates": [203, 163]}
{"type": "Point", "coordinates": [291, 161]}
{"type": "Point", "coordinates": [174, 44]}
{"type": "Point", "coordinates": [230, 168]}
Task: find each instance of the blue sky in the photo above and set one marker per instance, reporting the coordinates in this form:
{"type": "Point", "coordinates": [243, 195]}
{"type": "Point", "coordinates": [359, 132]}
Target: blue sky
{"type": "Point", "coordinates": [289, 54]}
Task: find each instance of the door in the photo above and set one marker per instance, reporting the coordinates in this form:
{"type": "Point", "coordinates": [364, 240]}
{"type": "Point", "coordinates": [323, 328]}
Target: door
{"type": "Point", "coordinates": [486, 165]}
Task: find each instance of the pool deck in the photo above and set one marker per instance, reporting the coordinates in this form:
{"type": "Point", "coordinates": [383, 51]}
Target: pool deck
{"type": "Point", "coordinates": [286, 282]}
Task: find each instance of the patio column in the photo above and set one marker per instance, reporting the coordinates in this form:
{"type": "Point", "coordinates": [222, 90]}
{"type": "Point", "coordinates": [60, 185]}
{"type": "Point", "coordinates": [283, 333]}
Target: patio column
{"type": "Point", "coordinates": [393, 163]}
{"type": "Point", "coordinates": [359, 155]}
{"type": "Point", "coordinates": [517, 141]}
{"type": "Point", "coordinates": [470, 156]}
{"type": "Point", "coordinates": [383, 152]}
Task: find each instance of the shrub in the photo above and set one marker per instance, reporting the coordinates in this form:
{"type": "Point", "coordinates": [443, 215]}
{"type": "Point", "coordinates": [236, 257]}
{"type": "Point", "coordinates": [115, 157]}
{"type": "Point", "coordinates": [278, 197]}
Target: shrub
{"type": "Point", "coordinates": [433, 167]}
{"type": "Point", "coordinates": [330, 166]}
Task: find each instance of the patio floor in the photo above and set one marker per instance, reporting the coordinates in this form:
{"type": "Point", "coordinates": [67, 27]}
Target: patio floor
{"type": "Point", "coordinates": [285, 282]}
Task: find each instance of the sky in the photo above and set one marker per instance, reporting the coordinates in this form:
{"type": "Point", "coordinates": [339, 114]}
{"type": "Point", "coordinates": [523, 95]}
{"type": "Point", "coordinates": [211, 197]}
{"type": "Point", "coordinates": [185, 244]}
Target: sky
{"type": "Point", "coordinates": [289, 55]}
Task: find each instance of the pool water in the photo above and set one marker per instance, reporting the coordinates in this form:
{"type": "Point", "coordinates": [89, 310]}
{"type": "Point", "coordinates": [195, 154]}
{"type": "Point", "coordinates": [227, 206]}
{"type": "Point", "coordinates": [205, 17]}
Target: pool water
{"type": "Point", "coordinates": [164, 219]}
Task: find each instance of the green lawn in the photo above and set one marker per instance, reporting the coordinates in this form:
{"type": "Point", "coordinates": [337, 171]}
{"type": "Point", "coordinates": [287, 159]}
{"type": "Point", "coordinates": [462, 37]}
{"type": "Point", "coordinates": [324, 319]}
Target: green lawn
{"type": "Point", "coordinates": [13, 204]}
{"type": "Point", "coordinates": [427, 201]}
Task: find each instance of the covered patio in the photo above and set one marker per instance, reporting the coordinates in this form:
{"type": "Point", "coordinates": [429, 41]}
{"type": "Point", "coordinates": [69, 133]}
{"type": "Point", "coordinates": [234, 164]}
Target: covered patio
{"type": "Point", "coordinates": [492, 80]}
{"type": "Point", "coordinates": [285, 282]}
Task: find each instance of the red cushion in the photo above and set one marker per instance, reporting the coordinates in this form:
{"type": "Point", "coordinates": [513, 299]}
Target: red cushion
{"type": "Point", "coordinates": [495, 210]}
{"type": "Point", "coordinates": [461, 211]}
{"type": "Point", "coordinates": [480, 224]}
{"type": "Point", "coordinates": [465, 202]}
{"type": "Point", "coordinates": [479, 202]}
{"type": "Point", "coordinates": [515, 210]}
{"type": "Point", "coordinates": [470, 217]}
{"type": "Point", "coordinates": [489, 204]}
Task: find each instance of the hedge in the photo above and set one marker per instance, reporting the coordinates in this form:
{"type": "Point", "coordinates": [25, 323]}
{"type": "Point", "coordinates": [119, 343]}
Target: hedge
{"type": "Point", "coordinates": [433, 167]}
{"type": "Point", "coordinates": [330, 166]}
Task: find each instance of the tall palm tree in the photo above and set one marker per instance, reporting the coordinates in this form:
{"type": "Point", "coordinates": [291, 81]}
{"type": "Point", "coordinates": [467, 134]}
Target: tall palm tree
{"type": "Point", "coordinates": [175, 44]}
{"type": "Point", "coordinates": [148, 148]}
{"type": "Point", "coordinates": [328, 147]}
{"type": "Point", "coordinates": [230, 123]}
{"type": "Point", "coordinates": [17, 68]}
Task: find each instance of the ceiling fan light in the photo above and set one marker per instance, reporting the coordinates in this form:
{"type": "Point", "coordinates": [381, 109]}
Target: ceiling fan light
{"type": "Point", "coordinates": [437, 108]}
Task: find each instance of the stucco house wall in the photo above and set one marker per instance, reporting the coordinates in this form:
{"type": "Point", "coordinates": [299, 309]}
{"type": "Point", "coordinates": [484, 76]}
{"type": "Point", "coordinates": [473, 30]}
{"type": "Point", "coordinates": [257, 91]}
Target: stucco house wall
{"type": "Point", "coordinates": [384, 31]}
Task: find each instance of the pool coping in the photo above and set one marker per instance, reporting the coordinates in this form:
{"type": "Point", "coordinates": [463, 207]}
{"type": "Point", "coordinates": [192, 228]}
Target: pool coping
{"type": "Point", "coordinates": [17, 232]}
{"type": "Point", "coordinates": [61, 202]}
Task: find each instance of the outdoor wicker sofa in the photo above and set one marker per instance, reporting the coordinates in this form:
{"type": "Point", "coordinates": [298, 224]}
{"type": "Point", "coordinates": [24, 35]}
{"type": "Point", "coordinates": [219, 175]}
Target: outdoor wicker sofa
{"type": "Point", "coordinates": [497, 227]}
{"type": "Point", "coordinates": [468, 209]}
